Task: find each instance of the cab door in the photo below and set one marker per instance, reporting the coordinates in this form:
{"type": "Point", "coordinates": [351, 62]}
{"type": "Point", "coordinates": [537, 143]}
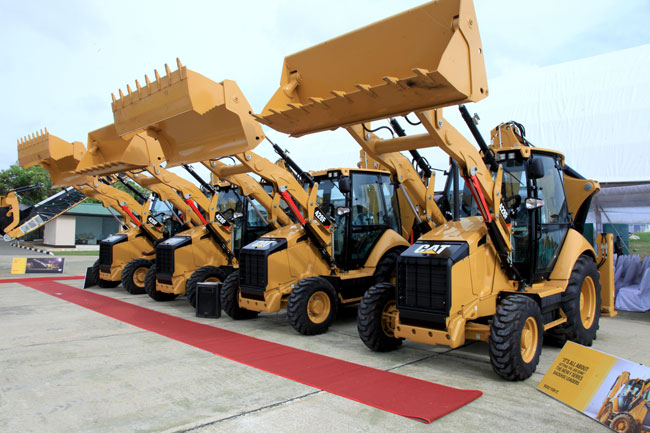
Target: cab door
{"type": "Point", "coordinates": [551, 220]}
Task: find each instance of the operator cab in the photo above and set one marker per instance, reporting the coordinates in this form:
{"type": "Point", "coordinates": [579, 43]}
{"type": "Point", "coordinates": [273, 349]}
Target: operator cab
{"type": "Point", "coordinates": [363, 205]}
{"type": "Point", "coordinates": [533, 192]}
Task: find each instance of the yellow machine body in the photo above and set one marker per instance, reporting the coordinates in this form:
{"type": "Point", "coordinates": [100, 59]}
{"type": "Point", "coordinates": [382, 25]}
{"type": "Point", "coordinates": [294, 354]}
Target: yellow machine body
{"type": "Point", "coordinates": [437, 61]}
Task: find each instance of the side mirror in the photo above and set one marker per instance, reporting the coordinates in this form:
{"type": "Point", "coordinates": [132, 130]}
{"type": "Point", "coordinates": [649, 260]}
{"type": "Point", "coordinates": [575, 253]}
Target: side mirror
{"type": "Point", "coordinates": [534, 203]}
{"type": "Point", "coordinates": [535, 168]}
{"type": "Point", "coordinates": [345, 185]}
{"type": "Point", "coordinates": [340, 211]}
{"type": "Point", "coordinates": [237, 215]}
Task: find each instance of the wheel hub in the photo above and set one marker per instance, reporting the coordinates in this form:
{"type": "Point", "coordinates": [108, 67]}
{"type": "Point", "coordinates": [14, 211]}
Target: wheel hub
{"type": "Point", "coordinates": [139, 276]}
{"type": "Point", "coordinates": [319, 307]}
{"type": "Point", "coordinates": [587, 302]}
{"type": "Point", "coordinates": [529, 337]}
{"type": "Point", "coordinates": [388, 318]}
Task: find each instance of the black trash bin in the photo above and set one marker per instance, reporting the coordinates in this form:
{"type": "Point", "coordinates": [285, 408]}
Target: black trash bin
{"type": "Point", "coordinates": [208, 300]}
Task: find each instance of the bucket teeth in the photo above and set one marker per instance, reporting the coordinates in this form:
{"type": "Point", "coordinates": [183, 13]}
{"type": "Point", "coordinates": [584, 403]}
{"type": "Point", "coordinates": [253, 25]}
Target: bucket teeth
{"type": "Point", "coordinates": [159, 84]}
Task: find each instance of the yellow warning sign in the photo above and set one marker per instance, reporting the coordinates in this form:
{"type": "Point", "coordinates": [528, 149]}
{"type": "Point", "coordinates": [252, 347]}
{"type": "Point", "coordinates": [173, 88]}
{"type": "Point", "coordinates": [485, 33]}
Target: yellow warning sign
{"type": "Point", "coordinates": [601, 386]}
{"type": "Point", "coordinates": [18, 265]}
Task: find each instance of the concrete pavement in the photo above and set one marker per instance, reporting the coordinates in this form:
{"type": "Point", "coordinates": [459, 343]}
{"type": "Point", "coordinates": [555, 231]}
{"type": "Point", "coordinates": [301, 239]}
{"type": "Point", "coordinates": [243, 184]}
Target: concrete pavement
{"type": "Point", "coordinates": [66, 368]}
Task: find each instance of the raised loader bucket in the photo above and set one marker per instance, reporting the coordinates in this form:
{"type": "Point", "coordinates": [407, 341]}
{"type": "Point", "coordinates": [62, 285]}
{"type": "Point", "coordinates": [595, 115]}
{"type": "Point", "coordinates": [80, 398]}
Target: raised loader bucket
{"type": "Point", "coordinates": [427, 57]}
{"type": "Point", "coordinates": [193, 117]}
{"type": "Point", "coordinates": [109, 153]}
{"type": "Point", "coordinates": [59, 157]}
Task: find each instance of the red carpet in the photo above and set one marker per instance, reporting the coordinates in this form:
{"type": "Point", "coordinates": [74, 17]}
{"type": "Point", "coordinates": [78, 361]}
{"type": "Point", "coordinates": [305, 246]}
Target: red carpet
{"type": "Point", "coordinates": [403, 395]}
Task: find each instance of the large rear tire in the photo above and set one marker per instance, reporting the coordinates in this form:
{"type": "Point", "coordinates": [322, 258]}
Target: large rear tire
{"type": "Point", "coordinates": [134, 274]}
{"type": "Point", "coordinates": [376, 318]}
{"type": "Point", "coordinates": [230, 299]}
{"type": "Point", "coordinates": [516, 337]}
{"type": "Point", "coordinates": [201, 275]}
{"type": "Point", "coordinates": [150, 287]}
{"type": "Point", "coordinates": [312, 306]}
{"type": "Point", "coordinates": [581, 303]}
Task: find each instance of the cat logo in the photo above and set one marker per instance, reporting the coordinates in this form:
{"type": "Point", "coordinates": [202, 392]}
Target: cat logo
{"type": "Point", "coordinates": [431, 249]}
{"type": "Point", "coordinates": [320, 216]}
{"type": "Point", "coordinates": [263, 244]}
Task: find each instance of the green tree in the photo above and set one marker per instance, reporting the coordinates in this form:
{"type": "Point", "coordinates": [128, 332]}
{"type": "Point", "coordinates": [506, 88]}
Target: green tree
{"type": "Point", "coordinates": [16, 177]}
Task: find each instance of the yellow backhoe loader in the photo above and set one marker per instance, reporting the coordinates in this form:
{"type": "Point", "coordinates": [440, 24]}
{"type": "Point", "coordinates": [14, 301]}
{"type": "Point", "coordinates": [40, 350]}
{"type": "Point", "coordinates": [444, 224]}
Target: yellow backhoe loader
{"type": "Point", "coordinates": [626, 406]}
{"type": "Point", "coordinates": [142, 158]}
{"type": "Point", "coordinates": [60, 158]}
{"type": "Point", "coordinates": [521, 266]}
{"type": "Point", "coordinates": [310, 266]}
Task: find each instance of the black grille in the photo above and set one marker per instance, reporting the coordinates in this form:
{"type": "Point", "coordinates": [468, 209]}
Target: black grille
{"type": "Point", "coordinates": [164, 262]}
{"type": "Point", "coordinates": [106, 250]}
{"type": "Point", "coordinates": [165, 257]}
{"type": "Point", "coordinates": [253, 273]}
{"type": "Point", "coordinates": [423, 284]}
{"type": "Point", "coordinates": [105, 256]}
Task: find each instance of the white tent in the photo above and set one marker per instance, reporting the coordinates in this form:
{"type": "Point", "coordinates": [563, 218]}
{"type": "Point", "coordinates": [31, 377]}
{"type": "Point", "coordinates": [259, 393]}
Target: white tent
{"type": "Point", "coordinates": [597, 112]}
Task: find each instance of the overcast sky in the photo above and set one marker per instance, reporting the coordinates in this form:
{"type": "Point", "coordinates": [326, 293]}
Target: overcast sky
{"type": "Point", "coordinates": [62, 60]}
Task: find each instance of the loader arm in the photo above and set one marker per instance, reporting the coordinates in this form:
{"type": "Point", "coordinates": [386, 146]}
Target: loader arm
{"type": "Point", "coordinates": [193, 119]}
{"type": "Point", "coordinates": [166, 193]}
{"type": "Point", "coordinates": [347, 81]}
{"type": "Point", "coordinates": [251, 188]}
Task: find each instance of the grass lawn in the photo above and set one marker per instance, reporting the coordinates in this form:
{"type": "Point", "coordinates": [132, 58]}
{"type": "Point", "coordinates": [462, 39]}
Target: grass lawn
{"type": "Point", "coordinates": [76, 253]}
{"type": "Point", "coordinates": [640, 246]}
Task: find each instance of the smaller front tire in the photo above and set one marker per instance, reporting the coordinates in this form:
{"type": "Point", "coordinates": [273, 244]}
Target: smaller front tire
{"type": "Point", "coordinates": [134, 274]}
{"type": "Point", "coordinates": [150, 287]}
{"type": "Point", "coordinates": [623, 423]}
{"type": "Point", "coordinates": [230, 299]}
{"type": "Point", "coordinates": [376, 318]}
{"type": "Point", "coordinates": [516, 338]}
{"type": "Point", "coordinates": [201, 275]}
{"type": "Point", "coordinates": [312, 306]}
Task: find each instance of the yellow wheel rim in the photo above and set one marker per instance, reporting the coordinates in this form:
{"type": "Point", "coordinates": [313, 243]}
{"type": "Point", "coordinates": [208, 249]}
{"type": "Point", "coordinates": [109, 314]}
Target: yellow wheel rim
{"type": "Point", "coordinates": [620, 425]}
{"type": "Point", "coordinates": [319, 307]}
{"type": "Point", "coordinates": [388, 318]}
{"type": "Point", "coordinates": [212, 280]}
{"type": "Point", "coordinates": [529, 337]}
{"type": "Point", "coordinates": [139, 275]}
{"type": "Point", "coordinates": [588, 302]}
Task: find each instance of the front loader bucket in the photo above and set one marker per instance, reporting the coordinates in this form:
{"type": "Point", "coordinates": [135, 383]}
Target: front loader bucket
{"type": "Point", "coordinates": [59, 157]}
{"type": "Point", "coordinates": [427, 57]}
{"type": "Point", "coordinates": [193, 117]}
{"type": "Point", "coordinates": [110, 153]}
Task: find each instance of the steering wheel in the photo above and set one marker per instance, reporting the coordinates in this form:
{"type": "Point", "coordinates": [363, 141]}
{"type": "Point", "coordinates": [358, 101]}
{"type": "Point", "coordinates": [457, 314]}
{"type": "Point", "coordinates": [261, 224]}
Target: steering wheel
{"type": "Point", "coordinates": [363, 219]}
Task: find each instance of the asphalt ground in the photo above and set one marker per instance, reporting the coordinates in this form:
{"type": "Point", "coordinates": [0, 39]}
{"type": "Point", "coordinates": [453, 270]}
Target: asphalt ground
{"type": "Point", "coordinates": [66, 368]}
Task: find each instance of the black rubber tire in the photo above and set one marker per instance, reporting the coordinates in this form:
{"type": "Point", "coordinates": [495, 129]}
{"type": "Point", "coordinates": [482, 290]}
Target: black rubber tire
{"type": "Point", "coordinates": [297, 305]}
{"type": "Point", "coordinates": [505, 337]}
{"type": "Point", "coordinates": [624, 423]}
{"type": "Point", "coordinates": [199, 276]}
{"type": "Point", "coordinates": [369, 318]}
{"type": "Point", "coordinates": [229, 299]}
{"type": "Point", "coordinates": [574, 329]}
{"type": "Point", "coordinates": [94, 274]}
{"type": "Point", "coordinates": [386, 270]}
{"type": "Point", "coordinates": [129, 271]}
{"type": "Point", "coordinates": [150, 287]}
